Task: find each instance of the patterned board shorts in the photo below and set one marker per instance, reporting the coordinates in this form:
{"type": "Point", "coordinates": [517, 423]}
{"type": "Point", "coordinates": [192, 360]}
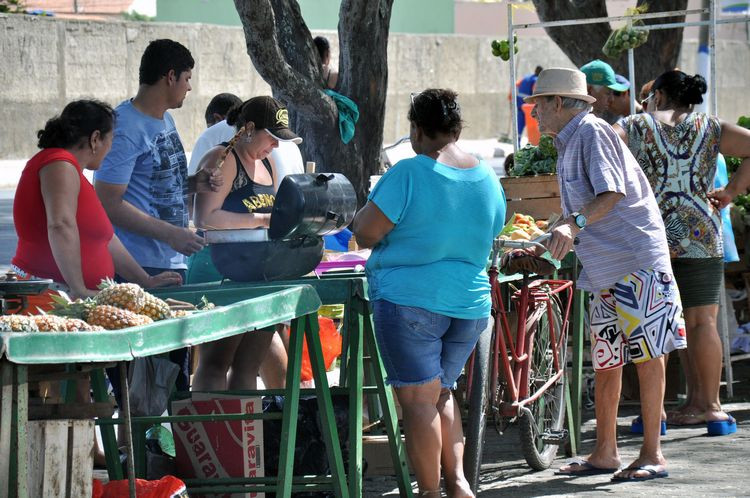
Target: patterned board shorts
{"type": "Point", "coordinates": [639, 319]}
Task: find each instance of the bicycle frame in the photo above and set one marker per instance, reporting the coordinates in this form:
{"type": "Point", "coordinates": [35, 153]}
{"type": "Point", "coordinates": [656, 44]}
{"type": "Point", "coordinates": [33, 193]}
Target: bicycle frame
{"type": "Point", "coordinates": [514, 351]}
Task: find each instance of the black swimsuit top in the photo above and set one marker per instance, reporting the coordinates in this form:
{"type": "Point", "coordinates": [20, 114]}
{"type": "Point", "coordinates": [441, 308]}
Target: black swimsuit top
{"type": "Point", "coordinates": [246, 195]}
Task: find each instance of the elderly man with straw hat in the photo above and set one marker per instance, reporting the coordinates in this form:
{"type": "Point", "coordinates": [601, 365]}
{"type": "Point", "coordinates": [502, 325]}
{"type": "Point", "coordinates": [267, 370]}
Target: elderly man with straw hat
{"type": "Point", "coordinates": [612, 221]}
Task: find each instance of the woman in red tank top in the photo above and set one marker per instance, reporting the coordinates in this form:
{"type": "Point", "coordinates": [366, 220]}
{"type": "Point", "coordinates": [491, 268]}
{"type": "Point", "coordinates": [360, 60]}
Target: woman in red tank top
{"type": "Point", "coordinates": [63, 232]}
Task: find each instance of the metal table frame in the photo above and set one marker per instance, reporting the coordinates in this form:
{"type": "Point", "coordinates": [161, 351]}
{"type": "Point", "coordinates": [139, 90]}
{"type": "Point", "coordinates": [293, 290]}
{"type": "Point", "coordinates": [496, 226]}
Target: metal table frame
{"type": "Point", "coordinates": [362, 372]}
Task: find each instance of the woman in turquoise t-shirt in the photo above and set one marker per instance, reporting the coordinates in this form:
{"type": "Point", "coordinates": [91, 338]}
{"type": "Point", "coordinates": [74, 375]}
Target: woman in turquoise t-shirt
{"type": "Point", "coordinates": [431, 221]}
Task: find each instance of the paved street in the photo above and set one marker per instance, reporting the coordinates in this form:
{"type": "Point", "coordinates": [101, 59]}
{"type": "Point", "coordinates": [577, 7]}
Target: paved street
{"type": "Point", "coordinates": [7, 232]}
{"type": "Point", "coordinates": [698, 465]}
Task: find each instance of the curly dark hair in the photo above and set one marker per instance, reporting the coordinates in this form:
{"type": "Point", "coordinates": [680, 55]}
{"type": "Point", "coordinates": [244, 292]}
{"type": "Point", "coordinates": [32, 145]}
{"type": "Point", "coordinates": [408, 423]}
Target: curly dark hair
{"type": "Point", "coordinates": [74, 126]}
{"type": "Point", "coordinates": [681, 88]}
{"type": "Point", "coordinates": [436, 110]}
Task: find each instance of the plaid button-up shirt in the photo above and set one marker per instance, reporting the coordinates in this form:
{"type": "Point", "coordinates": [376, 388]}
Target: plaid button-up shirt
{"type": "Point", "coordinates": [593, 160]}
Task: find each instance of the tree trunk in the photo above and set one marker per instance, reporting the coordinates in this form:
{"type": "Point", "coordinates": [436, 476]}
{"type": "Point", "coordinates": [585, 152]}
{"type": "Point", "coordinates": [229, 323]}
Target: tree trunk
{"type": "Point", "coordinates": [281, 49]}
{"type": "Point", "coordinates": [584, 43]}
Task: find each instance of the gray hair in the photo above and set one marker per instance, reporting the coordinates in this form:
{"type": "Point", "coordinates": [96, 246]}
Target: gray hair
{"type": "Point", "coordinates": [572, 103]}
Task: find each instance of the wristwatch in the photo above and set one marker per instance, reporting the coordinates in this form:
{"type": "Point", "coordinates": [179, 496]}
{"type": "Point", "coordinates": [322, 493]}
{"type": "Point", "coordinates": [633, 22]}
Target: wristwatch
{"type": "Point", "coordinates": [579, 219]}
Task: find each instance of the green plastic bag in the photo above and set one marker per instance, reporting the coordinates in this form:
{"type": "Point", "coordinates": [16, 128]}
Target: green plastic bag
{"type": "Point", "coordinates": [626, 37]}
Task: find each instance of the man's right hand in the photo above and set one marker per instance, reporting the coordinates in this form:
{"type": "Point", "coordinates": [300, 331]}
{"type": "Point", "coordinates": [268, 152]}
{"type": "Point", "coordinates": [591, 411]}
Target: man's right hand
{"type": "Point", "coordinates": [185, 241]}
{"type": "Point", "coordinates": [561, 243]}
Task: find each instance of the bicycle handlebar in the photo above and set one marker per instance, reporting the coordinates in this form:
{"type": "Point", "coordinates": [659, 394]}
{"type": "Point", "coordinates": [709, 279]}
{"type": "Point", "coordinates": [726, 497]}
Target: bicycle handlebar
{"type": "Point", "coordinates": [522, 244]}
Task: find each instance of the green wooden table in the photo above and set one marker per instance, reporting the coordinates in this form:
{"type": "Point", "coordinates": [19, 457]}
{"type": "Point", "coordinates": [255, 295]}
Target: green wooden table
{"type": "Point", "coordinates": [241, 310]}
{"type": "Point", "coordinates": [362, 372]}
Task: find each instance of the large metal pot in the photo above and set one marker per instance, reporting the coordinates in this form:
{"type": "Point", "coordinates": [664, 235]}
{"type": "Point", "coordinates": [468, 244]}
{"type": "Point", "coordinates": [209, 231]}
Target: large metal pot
{"type": "Point", "coordinates": [310, 204]}
{"type": "Point", "coordinates": [269, 260]}
{"type": "Point", "coordinates": [307, 206]}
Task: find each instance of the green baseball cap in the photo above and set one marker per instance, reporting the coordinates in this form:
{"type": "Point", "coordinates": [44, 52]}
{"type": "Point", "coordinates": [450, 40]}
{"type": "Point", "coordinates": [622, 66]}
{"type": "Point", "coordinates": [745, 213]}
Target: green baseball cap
{"type": "Point", "coordinates": [600, 73]}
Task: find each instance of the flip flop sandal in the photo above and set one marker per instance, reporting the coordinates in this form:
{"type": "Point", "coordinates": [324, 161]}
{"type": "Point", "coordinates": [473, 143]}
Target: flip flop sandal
{"type": "Point", "coordinates": [583, 468]}
{"type": "Point", "coordinates": [677, 420]}
{"type": "Point", "coordinates": [654, 472]}
{"type": "Point", "coordinates": [722, 427]}
{"type": "Point", "coordinates": [636, 426]}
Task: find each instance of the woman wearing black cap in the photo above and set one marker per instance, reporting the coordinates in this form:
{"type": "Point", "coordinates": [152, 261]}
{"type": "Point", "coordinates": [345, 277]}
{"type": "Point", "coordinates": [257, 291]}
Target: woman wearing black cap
{"type": "Point", "coordinates": [245, 200]}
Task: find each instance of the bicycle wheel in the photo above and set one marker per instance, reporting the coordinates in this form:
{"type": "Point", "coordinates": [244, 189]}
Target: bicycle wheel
{"type": "Point", "coordinates": [540, 437]}
{"type": "Point", "coordinates": [478, 403]}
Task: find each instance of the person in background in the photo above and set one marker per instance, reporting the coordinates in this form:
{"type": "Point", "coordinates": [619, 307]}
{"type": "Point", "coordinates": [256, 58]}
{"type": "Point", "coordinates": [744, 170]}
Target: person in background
{"type": "Point", "coordinates": [524, 88]}
{"type": "Point", "coordinates": [330, 77]}
{"type": "Point", "coordinates": [611, 219]}
{"type": "Point", "coordinates": [217, 108]}
{"type": "Point", "coordinates": [143, 181]}
{"type": "Point", "coordinates": [620, 106]}
{"type": "Point", "coordinates": [217, 130]}
{"type": "Point", "coordinates": [601, 82]}
{"type": "Point", "coordinates": [428, 288]}
{"type": "Point", "coordinates": [677, 150]}
{"type": "Point", "coordinates": [245, 200]}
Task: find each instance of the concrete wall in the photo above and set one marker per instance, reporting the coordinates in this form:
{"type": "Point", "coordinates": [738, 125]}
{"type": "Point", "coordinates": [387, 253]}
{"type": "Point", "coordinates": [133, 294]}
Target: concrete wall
{"type": "Point", "coordinates": [46, 63]}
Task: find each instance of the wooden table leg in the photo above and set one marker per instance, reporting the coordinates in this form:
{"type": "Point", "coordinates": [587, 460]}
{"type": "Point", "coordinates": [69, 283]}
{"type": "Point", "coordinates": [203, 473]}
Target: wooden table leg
{"type": "Point", "coordinates": [125, 409]}
{"type": "Point", "coordinates": [398, 452]}
{"type": "Point", "coordinates": [354, 384]}
{"type": "Point", "coordinates": [325, 407]}
{"type": "Point", "coordinates": [6, 413]}
{"type": "Point", "coordinates": [291, 410]}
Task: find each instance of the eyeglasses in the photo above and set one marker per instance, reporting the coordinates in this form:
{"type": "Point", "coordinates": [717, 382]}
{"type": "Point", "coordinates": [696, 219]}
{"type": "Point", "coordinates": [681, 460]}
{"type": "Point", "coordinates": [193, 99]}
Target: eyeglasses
{"type": "Point", "coordinates": [648, 97]}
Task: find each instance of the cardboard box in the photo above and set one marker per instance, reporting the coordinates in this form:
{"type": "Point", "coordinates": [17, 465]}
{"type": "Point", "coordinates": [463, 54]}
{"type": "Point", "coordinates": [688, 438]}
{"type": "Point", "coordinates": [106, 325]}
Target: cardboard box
{"type": "Point", "coordinates": [377, 455]}
{"type": "Point", "coordinates": [537, 196]}
{"type": "Point", "coordinates": [219, 449]}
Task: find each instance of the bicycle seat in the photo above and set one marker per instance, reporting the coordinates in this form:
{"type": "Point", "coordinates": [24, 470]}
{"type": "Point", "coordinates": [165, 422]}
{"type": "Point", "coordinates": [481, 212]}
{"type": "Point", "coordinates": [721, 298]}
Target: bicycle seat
{"type": "Point", "coordinates": [520, 261]}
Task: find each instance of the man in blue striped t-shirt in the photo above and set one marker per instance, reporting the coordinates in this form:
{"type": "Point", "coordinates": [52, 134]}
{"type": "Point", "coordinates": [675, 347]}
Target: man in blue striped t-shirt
{"type": "Point", "coordinates": [612, 221]}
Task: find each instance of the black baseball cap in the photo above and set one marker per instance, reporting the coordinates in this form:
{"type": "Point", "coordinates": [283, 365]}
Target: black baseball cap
{"type": "Point", "coordinates": [269, 114]}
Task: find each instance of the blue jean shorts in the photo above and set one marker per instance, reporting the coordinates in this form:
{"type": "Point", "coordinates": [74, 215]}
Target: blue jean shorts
{"type": "Point", "coordinates": [418, 346]}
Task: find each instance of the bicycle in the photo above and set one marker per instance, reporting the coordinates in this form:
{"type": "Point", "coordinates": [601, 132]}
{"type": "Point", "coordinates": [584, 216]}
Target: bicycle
{"type": "Point", "coordinates": [530, 387]}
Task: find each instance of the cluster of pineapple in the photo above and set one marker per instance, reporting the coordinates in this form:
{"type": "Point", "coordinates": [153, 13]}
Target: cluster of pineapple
{"type": "Point", "coordinates": [116, 306]}
{"type": "Point", "coordinates": [44, 323]}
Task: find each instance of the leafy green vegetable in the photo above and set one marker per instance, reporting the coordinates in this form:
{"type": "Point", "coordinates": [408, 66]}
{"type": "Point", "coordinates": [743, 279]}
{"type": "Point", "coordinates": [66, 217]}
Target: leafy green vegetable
{"type": "Point", "coordinates": [734, 162]}
{"type": "Point", "coordinates": [539, 160]}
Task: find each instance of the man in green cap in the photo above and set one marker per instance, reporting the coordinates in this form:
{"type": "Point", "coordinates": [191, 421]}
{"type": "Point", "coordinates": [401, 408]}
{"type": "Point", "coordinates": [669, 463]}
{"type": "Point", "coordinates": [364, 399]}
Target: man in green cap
{"type": "Point", "coordinates": [600, 83]}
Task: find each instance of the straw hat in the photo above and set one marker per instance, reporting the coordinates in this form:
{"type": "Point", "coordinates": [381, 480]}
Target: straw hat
{"type": "Point", "coordinates": [563, 82]}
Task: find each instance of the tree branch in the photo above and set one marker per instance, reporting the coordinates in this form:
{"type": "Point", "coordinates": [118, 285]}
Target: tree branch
{"type": "Point", "coordinates": [291, 79]}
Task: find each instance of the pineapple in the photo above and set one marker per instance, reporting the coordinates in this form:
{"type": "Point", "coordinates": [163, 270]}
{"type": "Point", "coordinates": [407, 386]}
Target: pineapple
{"type": "Point", "coordinates": [155, 308]}
{"type": "Point", "coordinates": [179, 313]}
{"type": "Point", "coordinates": [129, 297]}
{"type": "Point", "coordinates": [113, 318]}
{"type": "Point", "coordinates": [17, 323]}
{"type": "Point", "coordinates": [77, 325]}
{"type": "Point", "coordinates": [50, 323]}
{"type": "Point", "coordinates": [80, 308]}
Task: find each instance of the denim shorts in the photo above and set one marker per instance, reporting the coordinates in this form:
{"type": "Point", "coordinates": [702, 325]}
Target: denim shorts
{"type": "Point", "coordinates": [418, 346]}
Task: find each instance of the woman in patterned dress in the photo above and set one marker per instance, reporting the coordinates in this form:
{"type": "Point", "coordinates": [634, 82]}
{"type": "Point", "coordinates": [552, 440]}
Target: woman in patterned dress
{"type": "Point", "coordinates": [677, 149]}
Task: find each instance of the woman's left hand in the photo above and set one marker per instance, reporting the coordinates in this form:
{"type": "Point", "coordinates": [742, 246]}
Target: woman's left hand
{"type": "Point", "coordinates": [163, 279]}
{"type": "Point", "coordinates": [720, 198]}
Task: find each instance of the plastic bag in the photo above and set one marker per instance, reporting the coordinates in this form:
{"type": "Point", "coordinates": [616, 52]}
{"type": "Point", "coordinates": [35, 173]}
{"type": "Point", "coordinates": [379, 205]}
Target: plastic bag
{"type": "Point", "coordinates": [166, 487]}
{"type": "Point", "coordinates": [330, 341]}
{"type": "Point", "coordinates": [626, 37]}
{"type": "Point", "coordinates": [310, 449]}
{"type": "Point", "coordinates": [151, 382]}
